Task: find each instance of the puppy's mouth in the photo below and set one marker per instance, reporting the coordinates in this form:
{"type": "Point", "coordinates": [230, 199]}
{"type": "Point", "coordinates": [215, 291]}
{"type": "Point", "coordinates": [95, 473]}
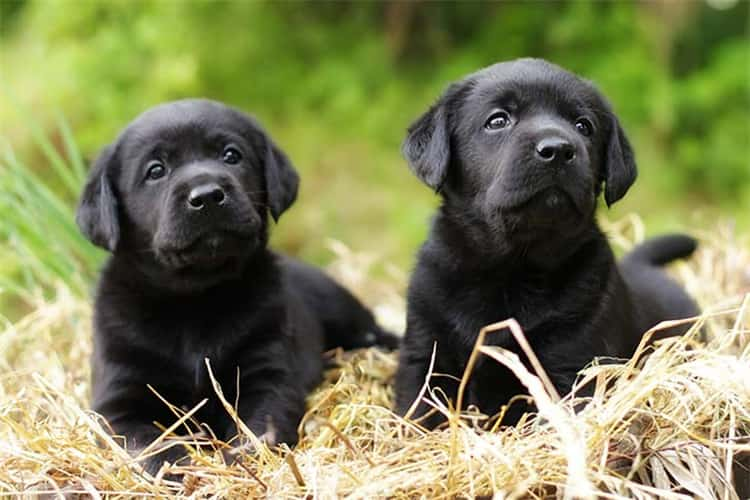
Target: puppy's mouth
{"type": "Point", "coordinates": [215, 251]}
{"type": "Point", "coordinates": [552, 201]}
{"type": "Point", "coordinates": [552, 208]}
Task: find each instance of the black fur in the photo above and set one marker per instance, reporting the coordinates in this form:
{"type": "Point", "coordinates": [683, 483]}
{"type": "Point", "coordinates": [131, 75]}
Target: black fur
{"type": "Point", "coordinates": [515, 236]}
{"type": "Point", "coordinates": [186, 282]}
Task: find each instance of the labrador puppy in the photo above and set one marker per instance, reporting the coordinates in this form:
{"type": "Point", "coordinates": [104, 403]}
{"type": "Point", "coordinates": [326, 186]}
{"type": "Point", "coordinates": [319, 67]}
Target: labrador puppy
{"type": "Point", "coordinates": [519, 152]}
{"type": "Point", "coordinates": [181, 200]}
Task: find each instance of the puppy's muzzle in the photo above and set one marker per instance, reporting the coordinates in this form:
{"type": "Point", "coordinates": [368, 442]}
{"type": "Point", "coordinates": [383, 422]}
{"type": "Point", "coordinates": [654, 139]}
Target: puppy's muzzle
{"type": "Point", "coordinates": [207, 217]}
{"type": "Point", "coordinates": [548, 182]}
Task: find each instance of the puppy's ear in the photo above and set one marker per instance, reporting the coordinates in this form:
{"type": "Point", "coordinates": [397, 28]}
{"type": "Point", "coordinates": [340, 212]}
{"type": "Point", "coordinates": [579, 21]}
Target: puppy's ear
{"type": "Point", "coordinates": [282, 180]}
{"type": "Point", "coordinates": [619, 166]}
{"type": "Point", "coordinates": [427, 145]}
{"type": "Point", "coordinates": [97, 209]}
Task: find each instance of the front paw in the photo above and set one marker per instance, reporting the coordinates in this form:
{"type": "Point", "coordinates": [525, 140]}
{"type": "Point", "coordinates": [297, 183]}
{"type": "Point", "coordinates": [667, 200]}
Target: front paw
{"type": "Point", "coordinates": [244, 445]}
{"type": "Point", "coordinates": [167, 457]}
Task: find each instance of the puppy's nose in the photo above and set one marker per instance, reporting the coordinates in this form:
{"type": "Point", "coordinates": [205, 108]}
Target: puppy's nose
{"type": "Point", "coordinates": [205, 195]}
{"type": "Point", "coordinates": [555, 149]}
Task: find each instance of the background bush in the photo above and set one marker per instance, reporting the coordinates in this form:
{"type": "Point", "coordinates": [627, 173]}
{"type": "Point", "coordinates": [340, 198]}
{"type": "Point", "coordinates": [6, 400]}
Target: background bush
{"type": "Point", "coordinates": [338, 83]}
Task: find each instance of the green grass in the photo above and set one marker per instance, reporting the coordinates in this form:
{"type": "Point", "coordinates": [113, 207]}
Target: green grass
{"type": "Point", "coordinates": [43, 246]}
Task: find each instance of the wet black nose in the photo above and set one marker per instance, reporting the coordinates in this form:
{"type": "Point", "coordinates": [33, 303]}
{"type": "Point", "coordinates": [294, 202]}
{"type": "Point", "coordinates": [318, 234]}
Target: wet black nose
{"type": "Point", "coordinates": [555, 149]}
{"type": "Point", "coordinates": [209, 194]}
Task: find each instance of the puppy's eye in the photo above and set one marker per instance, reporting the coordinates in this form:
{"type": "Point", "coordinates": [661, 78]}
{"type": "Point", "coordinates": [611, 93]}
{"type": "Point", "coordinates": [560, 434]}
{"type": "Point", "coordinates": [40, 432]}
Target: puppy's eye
{"type": "Point", "coordinates": [497, 121]}
{"type": "Point", "coordinates": [231, 155]}
{"type": "Point", "coordinates": [584, 126]}
{"type": "Point", "coordinates": [156, 170]}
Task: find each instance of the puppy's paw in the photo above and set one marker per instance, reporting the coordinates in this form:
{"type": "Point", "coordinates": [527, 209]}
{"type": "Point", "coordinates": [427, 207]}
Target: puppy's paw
{"type": "Point", "coordinates": [167, 457]}
{"type": "Point", "coordinates": [245, 446]}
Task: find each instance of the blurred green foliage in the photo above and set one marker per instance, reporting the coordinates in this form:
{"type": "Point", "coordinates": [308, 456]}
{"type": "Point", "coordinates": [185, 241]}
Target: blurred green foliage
{"type": "Point", "coordinates": [45, 248]}
{"type": "Point", "coordinates": [338, 83]}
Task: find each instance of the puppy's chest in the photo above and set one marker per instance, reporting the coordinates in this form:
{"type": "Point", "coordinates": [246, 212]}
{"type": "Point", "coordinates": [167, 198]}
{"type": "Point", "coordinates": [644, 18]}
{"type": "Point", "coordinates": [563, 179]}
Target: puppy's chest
{"type": "Point", "coordinates": [474, 308]}
{"type": "Point", "coordinates": [194, 358]}
{"type": "Point", "coordinates": [190, 343]}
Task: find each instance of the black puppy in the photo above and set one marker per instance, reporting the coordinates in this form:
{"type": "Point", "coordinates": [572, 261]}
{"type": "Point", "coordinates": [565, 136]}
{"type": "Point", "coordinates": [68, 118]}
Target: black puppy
{"type": "Point", "coordinates": [181, 200]}
{"type": "Point", "coordinates": [519, 152]}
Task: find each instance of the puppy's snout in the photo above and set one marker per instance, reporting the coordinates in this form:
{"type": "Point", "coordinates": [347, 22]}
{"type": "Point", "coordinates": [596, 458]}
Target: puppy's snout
{"type": "Point", "coordinates": [555, 150]}
{"type": "Point", "coordinates": [203, 195]}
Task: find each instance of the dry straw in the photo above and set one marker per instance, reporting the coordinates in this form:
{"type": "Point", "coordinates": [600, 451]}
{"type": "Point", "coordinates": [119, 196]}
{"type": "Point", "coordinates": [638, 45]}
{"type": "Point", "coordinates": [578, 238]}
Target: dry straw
{"type": "Point", "coordinates": [668, 423]}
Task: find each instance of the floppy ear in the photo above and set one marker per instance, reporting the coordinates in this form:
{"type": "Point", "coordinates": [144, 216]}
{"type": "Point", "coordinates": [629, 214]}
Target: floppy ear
{"type": "Point", "coordinates": [427, 145]}
{"type": "Point", "coordinates": [97, 210]}
{"type": "Point", "coordinates": [282, 180]}
{"type": "Point", "coordinates": [619, 167]}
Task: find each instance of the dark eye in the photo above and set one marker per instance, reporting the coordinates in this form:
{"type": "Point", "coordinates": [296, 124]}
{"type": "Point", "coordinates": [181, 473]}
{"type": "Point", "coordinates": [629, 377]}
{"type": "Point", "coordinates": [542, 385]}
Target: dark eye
{"type": "Point", "coordinates": [497, 120]}
{"type": "Point", "coordinates": [584, 126]}
{"type": "Point", "coordinates": [231, 155]}
{"type": "Point", "coordinates": [156, 170]}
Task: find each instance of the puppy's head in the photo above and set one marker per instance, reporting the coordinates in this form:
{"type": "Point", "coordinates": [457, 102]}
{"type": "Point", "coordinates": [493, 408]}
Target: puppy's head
{"type": "Point", "coordinates": [523, 149]}
{"type": "Point", "coordinates": [185, 191]}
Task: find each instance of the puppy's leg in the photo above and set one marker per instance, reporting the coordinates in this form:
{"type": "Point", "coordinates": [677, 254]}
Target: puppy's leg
{"type": "Point", "coordinates": [346, 321]}
{"type": "Point", "coordinates": [139, 435]}
{"type": "Point", "coordinates": [415, 358]}
{"type": "Point", "coordinates": [271, 400]}
{"type": "Point", "coordinates": [131, 410]}
{"type": "Point", "coordinates": [350, 325]}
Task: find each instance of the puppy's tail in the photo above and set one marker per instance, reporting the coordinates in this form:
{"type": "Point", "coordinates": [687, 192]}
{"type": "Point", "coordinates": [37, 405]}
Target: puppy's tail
{"type": "Point", "coordinates": [661, 250]}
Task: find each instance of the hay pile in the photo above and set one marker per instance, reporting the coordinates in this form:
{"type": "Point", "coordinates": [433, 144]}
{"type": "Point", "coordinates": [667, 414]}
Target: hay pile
{"type": "Point", "coordinates": [668, 425]}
